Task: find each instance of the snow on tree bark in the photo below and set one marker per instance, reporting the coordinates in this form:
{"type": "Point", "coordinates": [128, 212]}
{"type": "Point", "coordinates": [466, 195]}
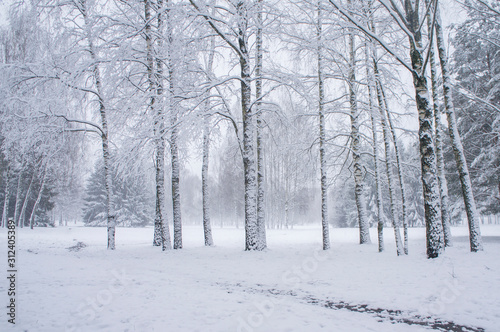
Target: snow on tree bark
{"type": "Point", "coordinates": [261, 221]}
{"type": "Point", "coordinates": [18, 197]}
{"type": "Point", "coordinates": [161, 234]}
{"type": "Point", "coordinates": [463, 171]}
{"type": "Point", "coordinates": [364, 230]}
{"type": "Point", "coordinates": [322, 137]}
{"type": "Point", "coordinates": [400, 174]}
{"type": "Point", "coordinates": [207, 229]}
{"type": "Point", "coordinates": [96, 76]}
{"type": "Point", "coordinates": [25, 201]}
{"type": "Point", "coordinates": [6, 202]}
{"type": "Point", "coordinates": [443, 186]}
{"type": "Point", "coordinates": [388, 163]}
{"type": "Point", "coordinates": [39, 196]}
{"type": "Point", "coordinates": [428, 161]}
{"type": "Point", "coordinates": [176, 190]}
{"type": "Point", "coordinates": [174, 124]}
{"type": "Point", "coordinates": [375, 144]}
{"type": "Point", "coordinates": [241, 48]}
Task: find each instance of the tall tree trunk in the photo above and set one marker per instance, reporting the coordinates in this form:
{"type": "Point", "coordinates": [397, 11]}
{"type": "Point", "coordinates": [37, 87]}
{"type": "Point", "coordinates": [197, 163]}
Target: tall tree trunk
{"type": "Point", "coordinates": [428, 161]}
{"type": "Point", "coordinates": [251, 227]}
{"type": "Point", "coordinates": [18, 197]}
{"type": "Point", "coordinates": [400, 173]}
{"type": "Point", "coordinates": [207, 229]}
{"type": "Point", "coordinates": [364, 229]}
{"type": "Point", "coordinates": [164, 229]}
{"type": "Point", "coordinates": [322, 136]}
{"type": "Point", "coordinates": [158, 129]}
{"type": "Point", "coordinates": [176, 190]}
{"type": "Point", "coordinates": [443, 185]}
{"type": "Point", "coordinates": [96, 76]}
{"type": "Point", "coordinates": [174, 133]}
{"type": "Point", "coordinates": [388, 163]}
{"type": "Point", "coordinates": [456, 142]}
{"type": "Point", "coordinates": [241, 48]}
{"type": "Point", "coordinates": [6, 201]}
{"type": "Point", "coordinates": [22, 215]}
{"type": "Point", "coordinates": [378, 190]}
{"type": "Point", "coordinates": [261, 221]}
{"type": "Point", "coordinates": [39, 196]}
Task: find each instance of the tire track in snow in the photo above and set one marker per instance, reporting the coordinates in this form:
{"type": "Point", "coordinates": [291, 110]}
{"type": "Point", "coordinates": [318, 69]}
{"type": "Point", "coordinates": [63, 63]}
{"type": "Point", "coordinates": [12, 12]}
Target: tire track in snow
{"type": "Point", "coordinates": [391, 315]}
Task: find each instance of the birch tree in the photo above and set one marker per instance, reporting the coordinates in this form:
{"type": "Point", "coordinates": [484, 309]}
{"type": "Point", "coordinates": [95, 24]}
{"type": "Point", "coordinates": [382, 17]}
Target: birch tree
{"type": "Point", "coordinates": [463, 170]}
{"type": "Point", "coordinates": [364, 231]}
{"type": "Point", "coordinates": [261, 221]}
{"type": "Point", "coordinates": [443, 186]}
{"type": "Point", "coordinates": [237, 39]}
{"type": "Point", "coordinates": [322, 135]}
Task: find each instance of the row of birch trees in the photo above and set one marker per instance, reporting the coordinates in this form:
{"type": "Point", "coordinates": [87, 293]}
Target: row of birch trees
{"type": "Point", "coordinates": [302, 89]}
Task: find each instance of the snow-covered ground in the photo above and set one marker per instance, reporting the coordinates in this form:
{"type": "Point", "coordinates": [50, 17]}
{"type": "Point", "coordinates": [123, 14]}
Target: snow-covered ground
{"type": "Point", "coordinates": [286, 288]}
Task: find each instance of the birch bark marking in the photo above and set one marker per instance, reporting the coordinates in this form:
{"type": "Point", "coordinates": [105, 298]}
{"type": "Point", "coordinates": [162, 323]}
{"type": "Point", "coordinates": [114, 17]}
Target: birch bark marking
{"type": "Point", "coordinates": [378, 191]}
{"type": "Point", "coordinates": [261, 221]}
{"type": "Point", "coordinates": [248, 153]}
{"type": "Point", "coordinates": [6, 202]}
{"type": "Point", "coordinates": [96, 75]}
{"type": "Point", "coordinates": [174, 133]}
{"type": "Point", "coordinates": [463, 171]}
{"type": "Point", "coordinates": [364, 230]}
{"type": "Point", "coordinates": [322, 137]}
{"type": "Point", "coordinates": [443, 185]}
{"type": "Point", "coordinates": [400, 173]}
{"type": "Point", "coordinates": [207, 228]}
{"type": "Point", "coordinates": [18, 195]}
{"type": "Point", "coordinates": [428, 161]}
{"type": "Point", "coordinates": [251, 227]}
{"type": "Point", "coordinates": [155, 77]}
{"type": "Point", "coordinates": [388, 163]}
{"type": "Point", "coordinates": [39, 196]}
{"type": "Point", "coordinates": [22, 215]}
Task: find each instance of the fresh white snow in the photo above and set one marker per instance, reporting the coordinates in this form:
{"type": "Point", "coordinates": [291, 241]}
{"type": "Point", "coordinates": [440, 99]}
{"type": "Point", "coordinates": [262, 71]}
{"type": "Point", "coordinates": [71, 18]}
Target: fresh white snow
{"type": "Point", "coordinates": [223, 288]}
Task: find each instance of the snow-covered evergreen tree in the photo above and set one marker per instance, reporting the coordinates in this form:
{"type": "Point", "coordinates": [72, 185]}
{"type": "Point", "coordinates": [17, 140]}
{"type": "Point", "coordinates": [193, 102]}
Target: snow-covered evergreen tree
{"type": "Point", "coordinates": [133, 201]}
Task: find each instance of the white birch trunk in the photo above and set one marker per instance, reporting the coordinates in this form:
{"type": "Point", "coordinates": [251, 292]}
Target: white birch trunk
{"type": "Point", "coordinates": [176, 190]}
{"type": "Point", "coordinates": [428, 160]}
{"type": "Point", "coordinates": [158, 130]}
{"type": "Point", "coordinates": [162, 221]}
{"type": "Point", "coordinates": [241, 48]}
{"type": "Point", "coordinates": [364, 230]}
{"type": "Point", "coordinates": [25, 202]}
{"type": "Point", "coordinates": [456, 142]}
{"type": "Point", "coordinates": [322, 138]}
{"type": "Point", "coordinates": [378, 190]}
{"type": "Point", "coordinates": [400, 174]}
{"type": "Point", "coordinates": [207, 229]}
{"type": "Point", "coordinates": [443, 185]}
{"type": "Point", "coordinates": [6, 201]}
{"type": "Point", "coordinates": [390, 176]}
{"type": "Point", "coordinates": [39, 196]}
{"type": "Point", "coordinates": [174, 124]}
{"type": "Point", "coordinates": [249, 166]}
{"type": "Point", "coordinates": [96, 76]}
{"type": "Point", "coordinates": [261, 221]}
{"type": "Point", "coordinates": [18, 197]}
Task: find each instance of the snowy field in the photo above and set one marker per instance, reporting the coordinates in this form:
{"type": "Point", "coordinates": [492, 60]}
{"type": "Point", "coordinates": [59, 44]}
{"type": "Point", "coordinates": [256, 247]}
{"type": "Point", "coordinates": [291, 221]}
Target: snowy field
{"type": "Point", "coordinates": [68, 281]}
